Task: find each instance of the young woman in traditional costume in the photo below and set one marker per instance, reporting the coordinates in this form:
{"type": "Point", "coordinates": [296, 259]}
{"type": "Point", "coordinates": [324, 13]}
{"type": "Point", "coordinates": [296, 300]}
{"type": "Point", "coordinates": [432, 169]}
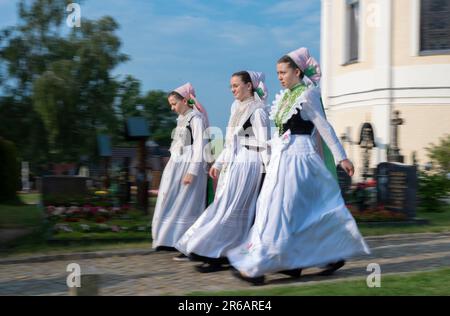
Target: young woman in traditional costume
{"type": "Point", "coordinates": [182, 192]}
{"type": "Point", "coordinates": [301, 219]}
{"type": "Point", "coordinates": [226, 222]}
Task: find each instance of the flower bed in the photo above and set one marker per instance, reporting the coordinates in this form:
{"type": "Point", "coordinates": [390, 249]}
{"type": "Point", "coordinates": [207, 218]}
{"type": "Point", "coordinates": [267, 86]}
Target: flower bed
{"type": "Point", "coordinates": [96, 217]}
{"type": "Point", "coordinates": [378, 214]}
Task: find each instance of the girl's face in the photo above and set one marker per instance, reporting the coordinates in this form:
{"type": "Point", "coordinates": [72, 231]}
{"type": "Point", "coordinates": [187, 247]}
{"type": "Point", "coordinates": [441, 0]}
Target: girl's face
{"type": "Point", "coordinates": [177, 105]}
{"type": "Point", "coordinates": [287, 76]}
{"type": "Point", "coordinates": [240, 90]}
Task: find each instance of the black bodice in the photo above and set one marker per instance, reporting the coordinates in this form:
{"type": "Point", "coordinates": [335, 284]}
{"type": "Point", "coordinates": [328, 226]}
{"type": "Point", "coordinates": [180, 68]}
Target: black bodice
{"type": "Point", "coordinates": [246, 130]}
{"type": "Point", "coordinates": [297, 125]}
{"type": "Point", "coordinates": [189, 141]}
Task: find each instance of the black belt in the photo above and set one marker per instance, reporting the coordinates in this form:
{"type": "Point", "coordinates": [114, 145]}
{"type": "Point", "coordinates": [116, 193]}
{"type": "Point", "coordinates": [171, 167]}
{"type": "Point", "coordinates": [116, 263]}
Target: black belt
{"type": "Point", "coordinates": [254, 148]}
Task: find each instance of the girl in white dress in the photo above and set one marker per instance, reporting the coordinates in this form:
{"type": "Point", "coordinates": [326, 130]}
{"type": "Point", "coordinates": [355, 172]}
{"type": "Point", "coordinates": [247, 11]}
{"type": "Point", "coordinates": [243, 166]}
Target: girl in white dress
{"type": "Point", "coordinates": [301, 219]}
{"type": "Point", "coordinates": [226, 222]}
{"type": "Point", "coordinates": [182, 192]}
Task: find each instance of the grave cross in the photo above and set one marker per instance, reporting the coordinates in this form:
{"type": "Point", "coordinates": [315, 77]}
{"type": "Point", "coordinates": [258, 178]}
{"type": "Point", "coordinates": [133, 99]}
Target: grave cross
{"type": "Point", "coordinates": [394, 152]}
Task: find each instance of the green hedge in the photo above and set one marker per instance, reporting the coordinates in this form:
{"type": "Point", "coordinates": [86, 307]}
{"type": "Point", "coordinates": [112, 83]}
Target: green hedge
{"type": "Point", "coordinates": [9, 171]}
{"type": "Point", "coordinates": [433, 189]}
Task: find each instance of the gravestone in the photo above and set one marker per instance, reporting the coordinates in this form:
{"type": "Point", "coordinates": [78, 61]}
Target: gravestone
{"type": "Point", "coordinates": [367, 143]}
{"type": "Point", "coordinates": [25, 172]}
{"type": "Point", "coordinates": [63, 187]}
{"type": "Point", "coordinates": [397, 187]}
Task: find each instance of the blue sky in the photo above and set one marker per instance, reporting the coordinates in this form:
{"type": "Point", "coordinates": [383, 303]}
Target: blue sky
{"type": "Point", "coordinates": [171, 42]}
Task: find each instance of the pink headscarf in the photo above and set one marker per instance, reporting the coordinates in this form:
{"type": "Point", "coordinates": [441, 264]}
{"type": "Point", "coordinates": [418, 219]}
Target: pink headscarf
{"type": "Point", "coordinates": [258, 84]}
{"type": "Point", "coordinates": [187, 91]}
{"type": "Point", "coordinates": [306, 63]}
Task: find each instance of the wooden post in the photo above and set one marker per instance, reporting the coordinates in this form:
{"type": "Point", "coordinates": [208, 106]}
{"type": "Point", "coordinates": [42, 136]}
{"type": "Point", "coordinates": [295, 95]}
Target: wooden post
{"type": "Point", "coordinates": [142, 182]}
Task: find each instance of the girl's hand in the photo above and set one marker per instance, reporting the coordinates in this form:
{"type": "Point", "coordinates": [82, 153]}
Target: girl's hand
{"type": "Point", "coordinates": [348, 167]}
{"type": "Point", "coordinates": [188, 178]}
{"type": "Point", "coordinates": [214, 173]}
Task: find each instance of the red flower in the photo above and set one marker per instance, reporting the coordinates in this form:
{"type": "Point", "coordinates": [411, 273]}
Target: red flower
{"type": "Point", "coordinates": [100, 219]}
{"type": "Point", "coordinates": [71, 219]}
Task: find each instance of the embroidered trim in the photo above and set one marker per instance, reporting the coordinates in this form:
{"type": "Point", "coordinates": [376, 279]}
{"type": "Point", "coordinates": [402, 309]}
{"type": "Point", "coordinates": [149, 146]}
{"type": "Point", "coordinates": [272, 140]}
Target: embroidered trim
{"type": "Point", "coordinates": [286, 104]}
{"type": "Point", "coordinates": [181, 132]}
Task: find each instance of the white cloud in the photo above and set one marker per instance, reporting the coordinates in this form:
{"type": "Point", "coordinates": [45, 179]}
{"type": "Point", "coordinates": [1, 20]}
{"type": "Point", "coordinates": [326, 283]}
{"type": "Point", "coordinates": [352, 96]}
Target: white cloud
{"type": "Point", "coordinates": [241, 33]}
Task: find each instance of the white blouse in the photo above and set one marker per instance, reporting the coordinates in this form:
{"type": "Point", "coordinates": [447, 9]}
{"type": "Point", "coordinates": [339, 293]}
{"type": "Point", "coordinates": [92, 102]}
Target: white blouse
{"type": "Point", "coordinates": [261, 129]}
{"type": "Point", "coordinates": [311, 109]}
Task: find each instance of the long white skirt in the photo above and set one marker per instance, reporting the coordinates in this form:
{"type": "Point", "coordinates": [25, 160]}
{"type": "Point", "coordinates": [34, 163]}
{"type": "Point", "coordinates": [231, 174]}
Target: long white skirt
{"type": "Point", "coordinates": [227, 221]}
{"type": "Point", "coordinates": [301, 219]}
{"type": "Point", "coordinates": [178, 206]}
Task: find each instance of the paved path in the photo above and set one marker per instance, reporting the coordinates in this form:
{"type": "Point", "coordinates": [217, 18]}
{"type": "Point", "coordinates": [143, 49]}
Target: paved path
{"type": "Point", "coordinates": [144, 272]}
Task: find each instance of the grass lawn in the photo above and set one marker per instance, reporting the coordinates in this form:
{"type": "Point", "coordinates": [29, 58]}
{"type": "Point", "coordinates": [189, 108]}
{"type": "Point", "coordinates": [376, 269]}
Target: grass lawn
{"type": "Point", "coordinates": [103, 236]}
{"type": "Point", "coordinates": [435, 282]}
{"type": "Point", "coordinates": [30, 198]}
{"type": "Point", "coordinates": [13, 216]}
{"type": "Point", "coordinates": [438, 222]}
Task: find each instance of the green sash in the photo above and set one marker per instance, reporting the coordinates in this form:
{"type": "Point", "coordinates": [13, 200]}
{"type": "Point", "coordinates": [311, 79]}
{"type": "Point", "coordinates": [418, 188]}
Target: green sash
{"type": "Point", "coordinates": [209, 191]}
{"type": "Point", "coordinates": [327, 155]}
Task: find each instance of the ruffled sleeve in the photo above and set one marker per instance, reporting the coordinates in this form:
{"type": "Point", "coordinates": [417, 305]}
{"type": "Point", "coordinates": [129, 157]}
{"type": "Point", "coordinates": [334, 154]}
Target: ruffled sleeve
{"type": "Point", "coordinates": [276, 104]}
{"type": "Point", "coordinates": [261, 129]}
{"type": "Point", "coordinates": [312, 110]}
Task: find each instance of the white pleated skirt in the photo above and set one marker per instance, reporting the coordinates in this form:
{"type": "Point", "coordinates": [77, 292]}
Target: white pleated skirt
{"type": "Point", "coordinates": [301, 219]}
{"type": "Point", "coordinates": [227, 221]}
{"type": "Point", "coordinates": [178, 206]}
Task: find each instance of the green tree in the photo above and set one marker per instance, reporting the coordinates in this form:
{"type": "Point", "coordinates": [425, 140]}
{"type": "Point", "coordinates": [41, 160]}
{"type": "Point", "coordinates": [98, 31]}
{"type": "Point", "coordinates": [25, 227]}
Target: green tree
{"type": "Point", "coordinates": [162, 119]}
{"type": "Point", "coordinates": [129, 97]}
{"type": "Point", "coordinates": [61, 83]}
{"type": "Point", "coordinates": [154, 105]}
{"type": "Point", "coordinates": [440, 154]}
{"type": "Point", "coordinates": [58, 89]}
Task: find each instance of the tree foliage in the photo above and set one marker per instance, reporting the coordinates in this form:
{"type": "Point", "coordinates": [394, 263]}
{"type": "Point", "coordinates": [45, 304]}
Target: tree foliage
{"type": "Point", "coordinates": [58, 91]}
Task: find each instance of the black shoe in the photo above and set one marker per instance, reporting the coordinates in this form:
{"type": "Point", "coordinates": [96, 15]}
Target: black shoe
{"type": "Point", "coordinates": [221, 260]}
{"type": "Point", "coordinates": [165, 248]}
{"type": "Point", "coordinates": [254, 281]}
{"type": "Point", "coordinates": [208, 268]}
{"type": "Point", "coordinates": [195, 257]}
{"type": "Point", "coordinates": [332, 267]}
{"type": "Point", "coordinates": [295, 273]}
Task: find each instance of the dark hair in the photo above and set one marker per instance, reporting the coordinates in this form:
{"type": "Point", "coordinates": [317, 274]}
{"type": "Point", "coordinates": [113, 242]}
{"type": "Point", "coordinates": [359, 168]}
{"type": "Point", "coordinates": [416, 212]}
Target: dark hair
{"type": "Point", "coordinates": [176, 95]}
{"type": "Point", "coordinates": [288, 60]}
{"type": "Point", "coordinates": [245, 77]}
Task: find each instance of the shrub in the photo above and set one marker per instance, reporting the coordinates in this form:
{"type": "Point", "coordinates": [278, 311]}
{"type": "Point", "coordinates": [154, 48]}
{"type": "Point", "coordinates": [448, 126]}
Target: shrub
{"type": "Point", "coordinates": [9, 171]}
{"type": "Point", "coordinates": [433, 188]}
